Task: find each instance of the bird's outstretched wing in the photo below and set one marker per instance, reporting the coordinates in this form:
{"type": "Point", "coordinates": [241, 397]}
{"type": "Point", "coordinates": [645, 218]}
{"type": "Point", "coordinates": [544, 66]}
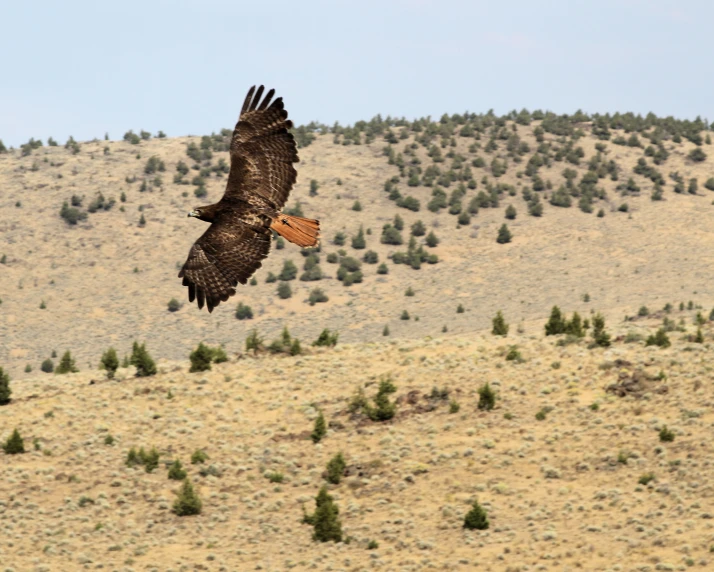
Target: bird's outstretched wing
{"type": "Point", "coordinates": [262, 152]}
{"type": "Point", "coordinates": [230, 251]}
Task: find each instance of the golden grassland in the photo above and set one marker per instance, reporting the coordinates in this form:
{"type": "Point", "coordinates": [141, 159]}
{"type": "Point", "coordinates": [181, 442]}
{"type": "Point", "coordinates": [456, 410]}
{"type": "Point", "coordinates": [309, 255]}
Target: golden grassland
{"type": "Point", "coordinates": [107, 281]}
{"type": "Point", "coordinates": [561, 493]}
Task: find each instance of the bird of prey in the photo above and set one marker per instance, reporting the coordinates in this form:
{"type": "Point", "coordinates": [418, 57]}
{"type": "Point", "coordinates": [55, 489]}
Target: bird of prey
{"type": "Point", "coordinates": [262, 173]}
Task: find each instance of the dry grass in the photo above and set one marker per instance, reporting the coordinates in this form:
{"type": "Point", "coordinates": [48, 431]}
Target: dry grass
{"type": "Point", "coordinates": [556, 494]}
{"type": "Point", "coordinates": [107, 281]}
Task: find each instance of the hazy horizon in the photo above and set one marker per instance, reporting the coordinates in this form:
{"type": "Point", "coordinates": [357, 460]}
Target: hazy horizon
{"type": "Point", "coordinates": [85, 69]}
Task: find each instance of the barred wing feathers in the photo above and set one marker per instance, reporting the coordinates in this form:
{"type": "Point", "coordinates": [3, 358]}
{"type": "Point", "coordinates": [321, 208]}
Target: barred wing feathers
{"type": "Point", "coordinates": [262, 152]}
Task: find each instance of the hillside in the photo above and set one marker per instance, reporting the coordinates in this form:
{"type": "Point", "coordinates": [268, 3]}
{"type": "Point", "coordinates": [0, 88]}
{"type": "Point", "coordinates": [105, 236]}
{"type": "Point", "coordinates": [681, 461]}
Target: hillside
{"type": "Point", "coordinates": [571, 475]}
{"type": "Point", "coordinates": [108, 279]}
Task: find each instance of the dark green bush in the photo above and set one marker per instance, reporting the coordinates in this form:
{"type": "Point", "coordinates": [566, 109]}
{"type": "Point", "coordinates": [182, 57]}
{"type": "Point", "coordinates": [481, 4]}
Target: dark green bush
{"type": "Point", "coordinates": [174, 305]}
{"type": "Point", "coordinates": [660, 339]}
{"type": "Point", "coordinates": [289, 271]}
{"type": "Point", "coordinates": [500, 327]}
{"type": "Point", "coordinates": [110, 362]}
{"type": "Point", "coordinates": [5, 390]}
{"type": "Point", "coordinates": [188, 503]}
{"type": "Point", "coordinates": [325, 519]}
{"type": "Point", "coordinates": [244, 312]}
{"type": "Point", "coordinates": [201, 358]}
{"type": "Point", "coordinates": [336, 469]}
{"type": "Point", "coordinates": [504, 235]}
{"type": "Point", "coordinates": [326, 339]}
{"type": "Point", "coordinates": [486, 397]}
{"type": "Point", "coordinates": [317, 296]}
{"type": "Point", "coordinates": [476, 518]}
{"type": "Point", "coordinates": [320, 429]}
{"type": "Point", "coordinates": [177, 472]}
{"type": "Point", "coordinates": [14, 444]}
{"type": "Point", "coordinates": [666, 435]}
{"type": "Point", "coordinates": [284, 291]}
{"type": "Point", "coordinates": [142, 360]}
{"type": "Point", "coordinates": [66, 364]}
{"type": "Point", "coordinates": [47, 366]}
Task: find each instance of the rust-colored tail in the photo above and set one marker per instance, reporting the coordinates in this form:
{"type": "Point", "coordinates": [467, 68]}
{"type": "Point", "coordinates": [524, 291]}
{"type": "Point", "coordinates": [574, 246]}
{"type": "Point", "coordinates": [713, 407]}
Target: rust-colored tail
{"type": "Point", "coordinates": [301, 231]}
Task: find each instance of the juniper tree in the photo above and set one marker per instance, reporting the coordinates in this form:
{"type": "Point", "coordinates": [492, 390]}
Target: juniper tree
{"type": "Point", "coordinates": [504, 235]}
{"type": "Point", "coordinates": [556, 323]}
{"type": "Point", "coordinates": [431, 239]}
{"type": "Point", "coordinates": [326, 339]}
{"type": "Point", "coordinates": [500, 327]}
{"type": "Point", "coordinates": [47, 366]}
{"type": "Point", "coordinates": [600, 336]}
{"type": "Point", "coordinates": [254, 342]}
{"type": "Point", "coordinates": [358, 241]}
{"type": "Point", "coordinates": [335, 469]}
{"type": "Point", "coordinates": [659, 339]}
{"type": "Point", "coordinates": [110, 362]}
{"type": "Point", "coordinates": [66, 364]}
{"type": "Point", "coordinates": [325, 519]}
{"type": "Point", "coordinates": [5, 390]}
{"type": "Point", "coordinates": [177, 472]}
{"type": "Point", "coordinates": [201, 358]}
{"type": "Point", "coordinates": [141, 359]}
{"type": "Point", "coordinates": [289, 271]}
{"type": "Point", "coordinates": [486, 397]}
{"type": "Point", "coordinates": [418, 228]}
{"type": "Point", "coordinates": [244, 312]}
{"type": "Point", "coordinates": [188, 503]}
{"type": "Point", "coordinates": [476, 518]}
{"type": "Point", "coordinates": [320, 429]}
{"type": "Point", "coordinates": [284, 291]}
{"type": "Point", "coordinates": [510, 212]}
{"type": "Point", "coordinates": [14, 444]}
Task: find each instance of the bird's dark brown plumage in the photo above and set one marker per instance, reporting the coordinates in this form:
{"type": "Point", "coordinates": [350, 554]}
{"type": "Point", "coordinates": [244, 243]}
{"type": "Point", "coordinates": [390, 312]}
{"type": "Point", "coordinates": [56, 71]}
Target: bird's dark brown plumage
{"type": "Point", "coordinates": [261, 176]}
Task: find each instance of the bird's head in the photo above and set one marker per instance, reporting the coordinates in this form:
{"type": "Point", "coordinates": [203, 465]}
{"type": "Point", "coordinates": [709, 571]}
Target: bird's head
{"type": "Point", "coordinates": [205, 213]}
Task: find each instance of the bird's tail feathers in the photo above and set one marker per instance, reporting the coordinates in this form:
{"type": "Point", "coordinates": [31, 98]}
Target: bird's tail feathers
{"type": "Point", "coordinates": [304, 232]}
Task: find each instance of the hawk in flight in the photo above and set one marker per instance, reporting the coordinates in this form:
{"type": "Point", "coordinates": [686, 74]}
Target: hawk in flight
{"type": "Point", "coordinates": [262, 173]}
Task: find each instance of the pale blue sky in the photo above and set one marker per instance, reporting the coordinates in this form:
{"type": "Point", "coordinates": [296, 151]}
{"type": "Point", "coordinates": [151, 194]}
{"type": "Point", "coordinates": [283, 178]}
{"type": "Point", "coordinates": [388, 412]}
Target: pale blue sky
{"type": "Point", "coordinates": [84, 68]}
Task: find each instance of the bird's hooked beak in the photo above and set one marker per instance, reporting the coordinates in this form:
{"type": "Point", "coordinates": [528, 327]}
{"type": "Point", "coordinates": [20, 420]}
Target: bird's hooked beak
{"type": "Point", "coordinates": [194, 212]}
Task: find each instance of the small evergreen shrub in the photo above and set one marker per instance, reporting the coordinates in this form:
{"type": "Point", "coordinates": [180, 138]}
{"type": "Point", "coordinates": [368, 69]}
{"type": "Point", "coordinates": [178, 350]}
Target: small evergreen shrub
{"type": "Point", "coordinates": [317, 296]}
{"type": "Point", "coordinates": [244, 312]}
{"type": "Point", "coordinates": [504, 235]}
{"type": "Point", "coordinates": [476, 518]}
{"type": "Point", "coordinates": [174, 305]}
{"type": "Point", "coordinates": [335, 469]}
{"type": "Point", "coordinates": [201, 358]}
{"type": "Point", "coordinates": [198, 457]}
{"type": "Point", "coordinates": [14, 444]}
{"type": "Point", "coordinates": [325, 519]}
{"type": "Point", "coordinates": [254, 342]}
{"type": "Point", "coordinates": [320, 429]}
{"type": "Point", "coordinates": [66, 364]}
{"type": "Point", "coordinates": [110, 362]}
{"type": "Point", "coordinates": [486, 397]}
{"type": "Point", "coordinates": [289, 271]}
{"type": "Point", "coordinates": [5, 391]}
{"type": "Point", "coordinates": [500, 327]}
{"type": "Point", "coordinates": [666, 435]}
{"type": "Point", "coordinates": [326, 339]}
{"type": "Point", "coordinates": [275, 477]}
{"type": "Point", "coordinates": [188, 502]}
{"type": "Point", "coordinates": [47, 366]}
{"type": "Point", "coordinates": [660, 339]}
{"type": "Point", "coordinates": [284, 291]}
{"type": "Point", "coordinates": [142, 360]}
{"type": "Point", "coordinates": [382, 269]}
{"type": "Point", "coordinates": [646, 479]}
{"type": "Point", "coordinates": [600, 336]}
